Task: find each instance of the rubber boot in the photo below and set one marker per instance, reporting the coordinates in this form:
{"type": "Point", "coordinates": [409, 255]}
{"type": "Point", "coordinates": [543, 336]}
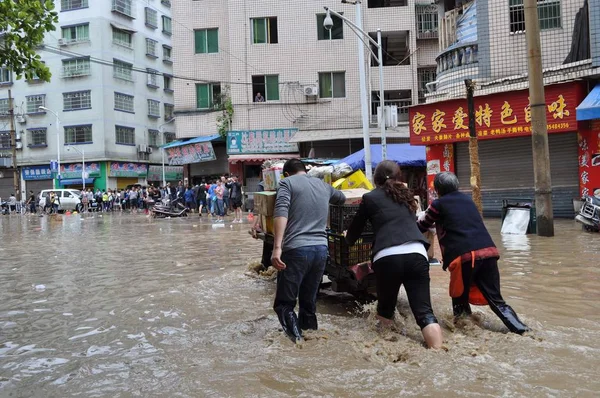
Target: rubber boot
{"type": "Point", "coordinates": [290, 326]}
{"type": "Point", "coordinates": [460, 308]}
{"type": "Point", "coordinates": [511, 320]}
{"type": "Point", "coordinates": [308, 322]}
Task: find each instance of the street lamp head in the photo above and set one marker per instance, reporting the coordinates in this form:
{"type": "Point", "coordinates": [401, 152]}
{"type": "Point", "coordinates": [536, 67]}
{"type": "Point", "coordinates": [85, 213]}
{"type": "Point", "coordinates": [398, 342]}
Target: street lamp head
{"type": "Point", "coordinates": [328, 21]}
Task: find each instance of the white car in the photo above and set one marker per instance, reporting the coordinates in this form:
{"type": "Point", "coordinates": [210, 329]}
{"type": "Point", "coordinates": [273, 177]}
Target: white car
{"type": "Point", "coordinates": [68, 199]}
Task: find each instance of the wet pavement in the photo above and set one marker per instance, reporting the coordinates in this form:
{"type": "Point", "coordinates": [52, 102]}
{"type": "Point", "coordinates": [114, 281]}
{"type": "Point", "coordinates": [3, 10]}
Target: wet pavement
{"type": "Point", "coordinates": [124, 305]}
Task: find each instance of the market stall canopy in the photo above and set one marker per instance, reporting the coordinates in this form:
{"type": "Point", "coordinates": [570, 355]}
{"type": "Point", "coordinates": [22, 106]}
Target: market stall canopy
{"type": "Point", "coordinates": [403, 154]}
{"type": "Point", "coordinates": [262, 157]}
{"type": "Point", "coordinates": [192, 141]}
{"type": "Point", "coordinates": [345, 134]}
{"type": "Point", "coordinates": [590, 107]}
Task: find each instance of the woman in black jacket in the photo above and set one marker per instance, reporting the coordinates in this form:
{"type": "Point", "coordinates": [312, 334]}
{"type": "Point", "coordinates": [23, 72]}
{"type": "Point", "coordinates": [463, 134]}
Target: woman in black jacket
{"type": "Point", "coordinates": [399, 250]}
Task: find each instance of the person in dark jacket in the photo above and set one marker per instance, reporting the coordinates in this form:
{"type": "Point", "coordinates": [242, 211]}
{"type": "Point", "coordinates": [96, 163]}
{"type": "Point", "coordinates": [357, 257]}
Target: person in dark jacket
{"type": "Point", "coordinates": [399, 250]}
{"type": "Point", "coordinates": [469, 251]}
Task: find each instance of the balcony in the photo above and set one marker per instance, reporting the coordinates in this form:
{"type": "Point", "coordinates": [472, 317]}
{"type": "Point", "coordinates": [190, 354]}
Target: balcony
{"type": "Point", "coordinates": [457, 56]}
{"type": "Point", "coordinates": [399, 98]}
{"type": "Point", "coordinates": [395, 48]}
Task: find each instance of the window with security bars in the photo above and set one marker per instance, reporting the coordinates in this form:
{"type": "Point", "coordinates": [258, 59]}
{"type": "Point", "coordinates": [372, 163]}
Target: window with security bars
{"type": "Point", "coordinates": [5, 140]}
{"type": "Point", "coordinates": [424, 76]}
{"type": "Point", "coordinates": [427, 21]}
{"type": "Point", "coordinates": [208, 96]}
{"type": "Point", "coordinates": [151, 48]}
{"type": "Point", "coordinates": [264, 30]}
{"type": "Point", "coordinates": [168, 83]}
{"type": "Point", "coordinates": [153, 138]}
{"type": "Point", "coordinates": [37, 137]}
{"type": "Point", "coordinates": [122, 37]}
{"type": "Point", "coordinates": [332, 85]}
{"type": "Point", "coordinates": [167, 25]}
{"type": "Point", "coordinates": [77, 100]}
{"type": "Point", "coordinates": [4, 107]}
{"type": "Point", "coordinates": [5, 75]}
{"type": "Point", "coordinates": [335, 33]}
{"type": "Point", "coordinates": [265, 88]}
{"type": "Point", "coordinates": [167, 54]}
{"type": "Point", "coordinates": [549, 14]}
{"type": "Point", "coordinates": [123, 7]}
{"type": "Point", "coordinates": [124, 135]}
{"type": "Point", "coordinates": [76, 67]}
{"type": "Point", "coordinates": [152, 76]}
{"type": "Point", "coordinates": [169, 109]}
{"type": "Point", "coordinates": [206, 41]}
{"type": "Point", "coordinates": [76, 33]}
{"type": "Point", "coordinates": [170, 137]}
{"type": "Point", "coordinates": [122, 70]}
{"type": "Point", "coordinates": [66, 5]}
{"type": "Point", "coordinates": [78, 134]}
{"type": "Point", "coordinates": [153, 108]}
{"type": "Point", "coordinates": [151, 18]}
{"type": "Point", "coordinates": [124, 103]}
{"type": "Point", "coordinates": [34, 102]}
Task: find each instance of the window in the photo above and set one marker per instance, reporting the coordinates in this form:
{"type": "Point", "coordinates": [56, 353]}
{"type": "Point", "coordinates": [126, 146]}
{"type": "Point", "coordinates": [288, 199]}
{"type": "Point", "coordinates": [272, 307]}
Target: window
{"type": "Point", "coordinates": [5, 75]}
{"type": "Point", "coordinates": [151, 48]}
{"type": "Point", "coordinates": [549, 15]}
{"type": "Point", "coordinates": [67, 5]}
{"type": "Point", "coordinates": [332, 84]}
{"type": "Point", "coordinates": [152, 78]}
{"type": "Point", "coordinates": [77, 100]}
{"type": "Point", "coordinates": [78, 134]}
{"type": "Point", "coordinates": [122, 37]}
{"type": "Point", "coordinates": [264, 30]}
{"type": "Point", "coordinates": [386, 3]}
{"type": "Point", "coordinates": [167, 55]}
{"type": "Point", "coordinates": [76, 67]}
{"type": "Point", "coordinates": [166, 3]}
{"type": "Point", "coordinates": [124, 103]}
{"type": "Point", "coordinates": [153, 138]}
{"type": "Point", "coordinates": [424, 76]}
{"type": "Point", "coordinates": [208, 96]}
{"type": "Point", "coordinates": [206, 41]}
{"type": "Point", "coordinates": [151, 18]}
{"type": "Point", "coordinates": [167, 27]}
{"type": "Point", "coordinates": [5, 140]}
{"type": "Point", "coordinates": [427, 21]}
{"type": "Point", "coordinates": [34, 102]}
{"type": "Point", "coordinates": [335, 33]}
{"type": "Point", "coordinates": [169, 108]}
{"type": "Point", "coordinates": [123, 7]}
{"type": "Point", "coordinates": [122, 70]}
{"type": "Point", "coordinates": [125, 135]}
{"type": "Point", "coordinates": [153, 108]}
{"type": "Point", "coordinates": [37, 137]}
{"type": "Point", "coordinates": [170, 137]}
{"type": "Point", "coordinates": [168, 83]}
{"type": "Point", "coordinates": [4, 106]}
{"type": "Point", "coordinates": [267, 87]}
{"type": "Point", "coordinates": [76, 33]}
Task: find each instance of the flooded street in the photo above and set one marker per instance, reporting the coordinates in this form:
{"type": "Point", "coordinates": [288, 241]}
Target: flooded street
{"type": "Point", "coordinates": [123, 305]}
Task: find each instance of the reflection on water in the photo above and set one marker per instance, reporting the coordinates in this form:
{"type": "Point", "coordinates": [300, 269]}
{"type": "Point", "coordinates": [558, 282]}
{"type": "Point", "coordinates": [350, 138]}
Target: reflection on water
{"type": "Point", "coordinates": [125, 305]}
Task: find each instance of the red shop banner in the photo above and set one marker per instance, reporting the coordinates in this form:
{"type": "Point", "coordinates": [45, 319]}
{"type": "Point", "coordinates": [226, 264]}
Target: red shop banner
{"type": "Point", "coordinates": [496, 116]}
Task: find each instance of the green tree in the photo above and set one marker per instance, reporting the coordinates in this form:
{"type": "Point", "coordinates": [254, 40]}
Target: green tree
{"type": "Point", "coordinates": [23, 24]}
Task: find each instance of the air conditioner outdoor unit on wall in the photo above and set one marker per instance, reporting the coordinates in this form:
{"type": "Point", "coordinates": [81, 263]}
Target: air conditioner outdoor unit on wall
{"type": "Point", "coordinates": [311, 90]}
{"type": "Point", "coordinates": [62, 42]}
{"type": "Point", "coordinates": [21, 119]}
{"type": "Point", "coordinates": [142, 148]}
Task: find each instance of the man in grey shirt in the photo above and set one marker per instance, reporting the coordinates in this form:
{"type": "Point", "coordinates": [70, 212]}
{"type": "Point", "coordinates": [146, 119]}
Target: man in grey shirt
{"type": "Point", "coordinates": [300, 248]}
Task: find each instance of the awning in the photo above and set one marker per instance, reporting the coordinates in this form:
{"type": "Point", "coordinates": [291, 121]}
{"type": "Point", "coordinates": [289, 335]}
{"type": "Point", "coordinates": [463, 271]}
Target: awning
{"type": "Point", "coordinates": [403, 154]}
{"type": "Point", "coordinates": [121, 27]}
{"type": "Point", "coordinates": [262, 157]}
{"type": "Point", "coordinates": [77, 181]}
{"type": "Point", "coordinates": [590, 107]}
{"type": "Point", "coordinates": [345, 134]}
{"type": "Point", "coordinates": [193, 141]}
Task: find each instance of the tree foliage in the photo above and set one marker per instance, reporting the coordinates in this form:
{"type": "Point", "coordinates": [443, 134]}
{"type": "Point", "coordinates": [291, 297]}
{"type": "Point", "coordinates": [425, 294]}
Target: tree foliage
{"type": "Point", "coordinates": [23, 24]}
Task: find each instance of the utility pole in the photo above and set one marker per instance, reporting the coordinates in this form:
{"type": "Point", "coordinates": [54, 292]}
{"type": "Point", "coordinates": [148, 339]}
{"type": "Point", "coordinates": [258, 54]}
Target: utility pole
{"type": "Point", "coordinates": [13, 146]}
{"type": "Point", "coordinates": [539, 127]}
{"type": "Point", "coordinates": [473, 148]}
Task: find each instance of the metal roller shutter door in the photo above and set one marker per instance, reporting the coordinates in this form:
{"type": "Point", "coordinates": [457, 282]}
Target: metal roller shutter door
{"type": "Point", "coordinates": [507, 171]}
{"type": "Point", "coordinates": [6, 183]}
{"type": "Point", "coordinates": [37, 186]}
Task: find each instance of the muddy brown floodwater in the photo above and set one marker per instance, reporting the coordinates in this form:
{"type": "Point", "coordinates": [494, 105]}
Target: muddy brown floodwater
{"type": "Point", "coordinates": [129, 306]}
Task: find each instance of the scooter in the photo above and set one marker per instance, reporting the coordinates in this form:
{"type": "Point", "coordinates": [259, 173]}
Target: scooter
{"type": "Point", "coordinates": [174, 208]}
{"type": "Point", "coordinates": [589, 215]}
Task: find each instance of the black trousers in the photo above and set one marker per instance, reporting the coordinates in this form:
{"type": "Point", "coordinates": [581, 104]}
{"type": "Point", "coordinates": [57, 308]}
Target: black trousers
{"type": "Point", "coordinates": [412, 271]}
{"type": "Point", "coordinates": [486, 277]}
{"type": "Point", "coordinates": [266, 254]}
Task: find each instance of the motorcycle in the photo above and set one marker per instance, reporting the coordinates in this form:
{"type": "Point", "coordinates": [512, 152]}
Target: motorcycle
{"type": "Point", "coordinates": [589, 215]}
{"type": "Point", "coordinates": [174, 208]}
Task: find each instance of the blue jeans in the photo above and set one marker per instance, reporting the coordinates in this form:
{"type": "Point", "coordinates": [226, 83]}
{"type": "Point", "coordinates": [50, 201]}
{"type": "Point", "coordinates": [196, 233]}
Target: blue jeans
{"type": "Point", "coordinates": [300, 280]}
{"type": "Point", "coordinates": [220, 208]}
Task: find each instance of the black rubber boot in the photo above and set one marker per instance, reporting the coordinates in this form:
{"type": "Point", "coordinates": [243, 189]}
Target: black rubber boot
{"type": "Point", "coordinates": [308, 322]}
{"type": "Point", "coordinates": [511, 320]}
{"type": "Point", "coordinates": [460, 308]}
{"type": "Point", "coordinates": [290, 326]}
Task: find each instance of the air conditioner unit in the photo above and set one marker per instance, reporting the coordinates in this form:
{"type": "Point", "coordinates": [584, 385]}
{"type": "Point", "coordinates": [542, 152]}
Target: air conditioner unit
{"type": "Point", "coordinates": [62, 42]}
{"type": "Point", "coordinates": [390, 116]}
{"type": "Point", "coordinates": [21, 119]}
{"type": "Point", "coordinates": [18, 145]}
{"type": "Point", "coordinates": [311, 91]}
{"type": "Point", "coordinates": [150, 149]}
{"type": "Point", "coordinates": [142, 148]}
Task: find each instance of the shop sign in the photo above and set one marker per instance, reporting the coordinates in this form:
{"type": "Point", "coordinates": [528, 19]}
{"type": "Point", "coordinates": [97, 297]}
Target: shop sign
{"type": "Point", "coordinates": [261, 141]}
{"type": "Point", "coordinates": [126, 169]}
{"type": "Point", "coordinates": [191, 153]}
{"type": "Point", "coordinates": [33, 173]}
{"type": "Point", "coordinates": [172, 173]}
{"type": "Point", "coordinates": [496, 116]}
{"type": "Point", "coordinates": [589, 160]}
{"type": "Point", "coordinates": [439, 158]}
{"type": "Point", "coordinates": [73, 170]}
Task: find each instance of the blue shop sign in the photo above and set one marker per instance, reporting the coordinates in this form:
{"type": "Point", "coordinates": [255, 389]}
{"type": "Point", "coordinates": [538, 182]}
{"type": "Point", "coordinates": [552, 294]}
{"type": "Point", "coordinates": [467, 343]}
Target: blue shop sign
{"type": "Point", "coordinates": [32, 173]}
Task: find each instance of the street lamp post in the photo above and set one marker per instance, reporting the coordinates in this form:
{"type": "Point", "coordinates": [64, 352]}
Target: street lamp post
{"type": "Point", "coordinates": [43, 108]}
{"type": "Point", "coordinates": [83, 173]}
{"type": "Point", "coordinates": [357, 28]}
{"type": "Point", "coordinates": [162, 147]}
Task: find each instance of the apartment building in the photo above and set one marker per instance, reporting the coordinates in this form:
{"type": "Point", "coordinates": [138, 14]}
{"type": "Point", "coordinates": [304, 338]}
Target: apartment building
{"type": "Point", "coordinates": [486, 41]}
{"type": "Point", "coordinates": [287, 76]}
{"type": "Point", "coordinates": [110, 98]}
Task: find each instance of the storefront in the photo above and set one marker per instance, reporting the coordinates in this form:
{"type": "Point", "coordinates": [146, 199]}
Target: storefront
{"type": "Point", "coordinates": [173, 174]}
{"type": "Point", "coordinates": [588, 115]}
{"type": "Point", "coordinates": [247, 150]}
{"type": "Point", "coordinates": [198, 158]}
{"type": "Point", "coordinates": [503, 129]}
{"type": "Point", "coordinates": [71, 175]}
{"type": "Point", "coordinates": [37, 178]}
{"type": "Point", "coordinates": [124, 174]}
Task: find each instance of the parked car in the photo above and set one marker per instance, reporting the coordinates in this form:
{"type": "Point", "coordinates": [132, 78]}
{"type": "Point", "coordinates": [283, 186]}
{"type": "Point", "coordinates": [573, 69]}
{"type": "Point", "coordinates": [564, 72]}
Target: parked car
{"type": "Point", "coordinates": [68, 199]}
